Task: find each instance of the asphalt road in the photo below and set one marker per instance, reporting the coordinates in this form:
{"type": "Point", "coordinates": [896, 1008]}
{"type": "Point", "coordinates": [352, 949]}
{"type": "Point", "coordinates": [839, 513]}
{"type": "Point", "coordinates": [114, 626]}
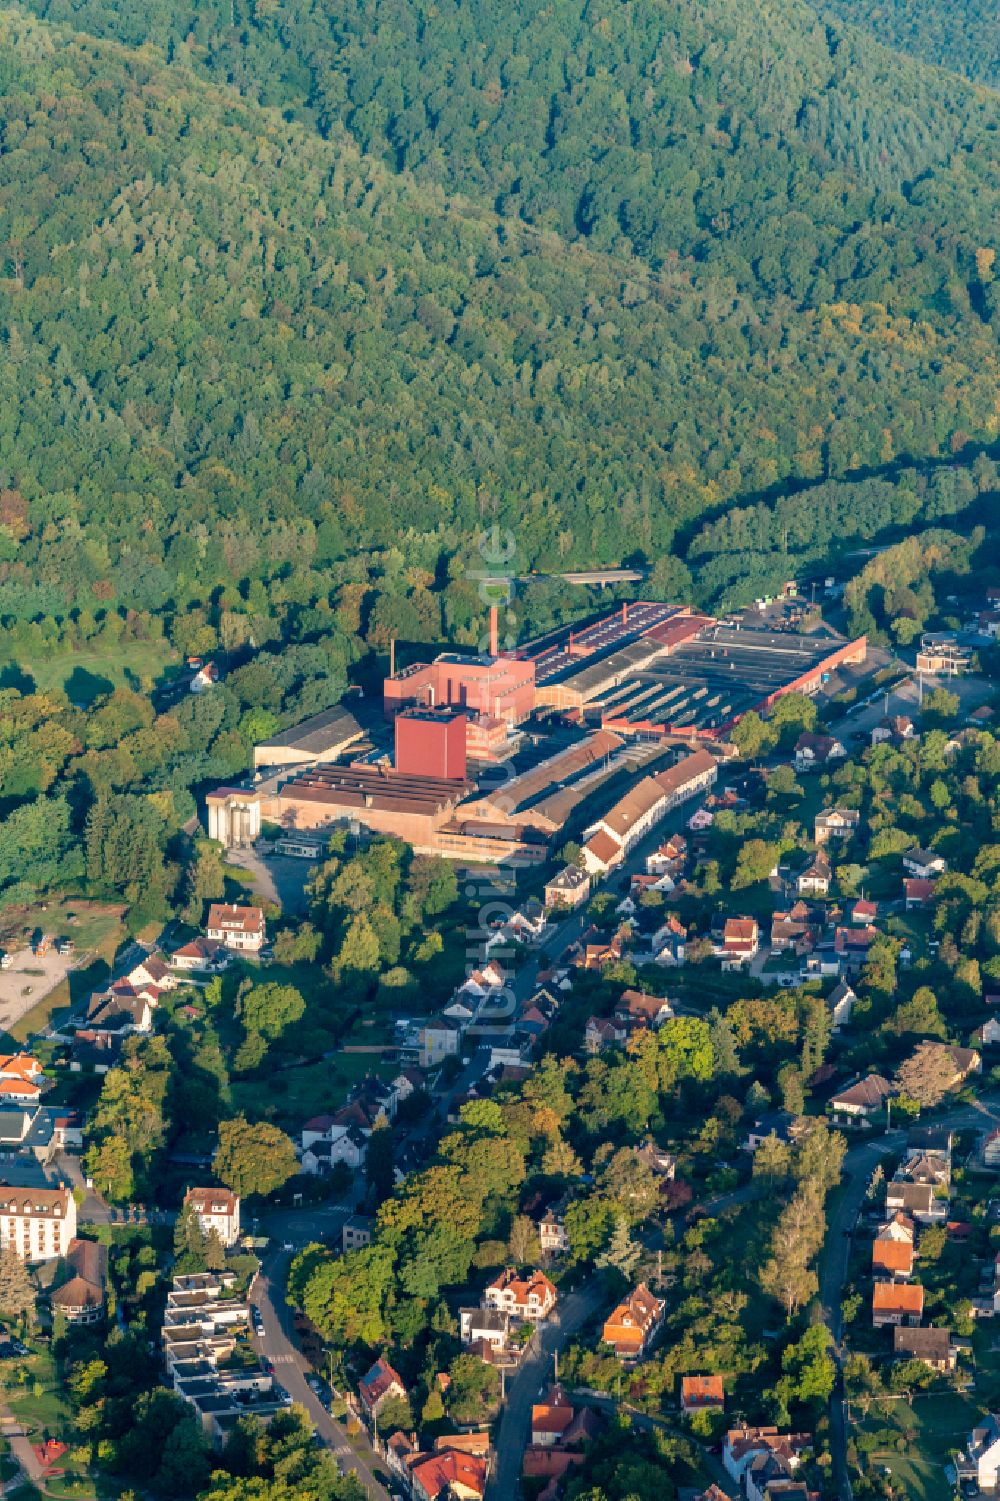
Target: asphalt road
{"type": "Point", "coordinates": [277, 1344]}
{"type": "Point", "coordinates": [533, 1376]}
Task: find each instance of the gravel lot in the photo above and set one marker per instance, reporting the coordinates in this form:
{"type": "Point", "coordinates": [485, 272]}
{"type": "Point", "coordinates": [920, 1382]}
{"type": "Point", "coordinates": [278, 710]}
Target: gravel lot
{"type": "Point", "coordinates": [29, 981]}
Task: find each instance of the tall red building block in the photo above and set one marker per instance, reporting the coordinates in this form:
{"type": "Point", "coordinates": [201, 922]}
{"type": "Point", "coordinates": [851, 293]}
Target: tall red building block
{"type": "Point", "coordinates": [431, 743]}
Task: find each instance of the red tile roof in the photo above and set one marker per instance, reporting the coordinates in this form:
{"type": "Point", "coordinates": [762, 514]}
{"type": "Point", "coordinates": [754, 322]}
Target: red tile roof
{"type": "Point", "coordinates": [898, 1297]}
{"type": "Point", "coordinates": [466, 1473]}
{"type": "Point", "coordinates": [702, 1391]}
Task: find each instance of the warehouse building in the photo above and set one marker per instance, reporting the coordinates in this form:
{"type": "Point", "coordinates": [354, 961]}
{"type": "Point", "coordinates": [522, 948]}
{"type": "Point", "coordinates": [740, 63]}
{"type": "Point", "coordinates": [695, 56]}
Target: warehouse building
{"type": "Point", "coordinates": [322, 737]}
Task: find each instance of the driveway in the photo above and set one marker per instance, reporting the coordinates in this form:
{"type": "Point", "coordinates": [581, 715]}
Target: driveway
{"type": "Point", "coordinates": [278, 1345]}
{"type": "Point", "coordinates": [278, 878]}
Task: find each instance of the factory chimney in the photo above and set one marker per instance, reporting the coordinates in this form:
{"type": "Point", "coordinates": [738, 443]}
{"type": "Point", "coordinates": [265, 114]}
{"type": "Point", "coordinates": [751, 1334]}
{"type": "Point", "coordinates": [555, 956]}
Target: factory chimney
{"type": "Point", "coordinates": [625, 612]}
{"type": "Point", "coordinates": [392, 657]}
{"type": "Point", "coordinates": [494, 633]}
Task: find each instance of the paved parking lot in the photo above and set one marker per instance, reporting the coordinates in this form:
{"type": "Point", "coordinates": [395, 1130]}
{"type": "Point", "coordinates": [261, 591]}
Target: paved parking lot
{"type": "Point", "coordinates": [29, 980]}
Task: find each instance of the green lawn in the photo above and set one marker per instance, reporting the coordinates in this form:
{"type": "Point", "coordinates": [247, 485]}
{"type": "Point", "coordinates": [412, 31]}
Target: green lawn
{"type": "Point", "coordinates": [45, 1409]}
{"type": "Point", "coordinates": [927, 1433]}
{"type": "Point", "coordinates": [87, 675]}
{"type": "Point", "coordinates": [295, 1094]}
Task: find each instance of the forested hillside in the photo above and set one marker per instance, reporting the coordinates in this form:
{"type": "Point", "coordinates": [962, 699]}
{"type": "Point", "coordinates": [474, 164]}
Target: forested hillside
{"type": "Point", "coordinates": [962, 35]}
{"type": "Point", "coordinates": [237, 350]}
{"type": "Point", "coordinates": [776, 150]}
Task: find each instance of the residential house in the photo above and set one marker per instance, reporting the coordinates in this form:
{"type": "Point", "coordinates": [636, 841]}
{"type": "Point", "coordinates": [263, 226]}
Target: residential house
{"type": "Point", "coordinates": [549, 1466]}
{"type": "Point", "coordinates": [668, 944]}
{"type": "Point", "coordinates": [201, 956]}
{"type": "Point", "coordinates": [153, 970]}
{"type": "Point", "coordinates": [379, 1383]}
{"type": "Point", "coordinates": [840, 1004]}
{"type": "Point", "coordinates": [526, 925]}
{"type": "Point", "coordinates": [357, 1233]}
{"type": "Point", "coordinates": [815, 877]}
{"type": "Point", "coordinates": [570, 888]}
{"type": "Point", "coordinates": [897, 1303]}
{"type": "Point", "coordinates": [771, 1477]}
{"type": "Point", "coordinates": [701, 819]}
{"type": "Point", "coordinates": [918, 1201]}
{"type": "Point", "coordinates": [531, 1297]}
{"type": "Point", "coordinates": [795, 931]}
{"type": "Point", "coordinates": [702, 1394]}
{"type": "Point", "coordinates": [601, 853]}
{"type": "Point", "coordinates": [631, 1326]}
{"type": "Point", "coordinates": [539, 1013]}
{"type": "Point", "coordinates": [863, 912]}
{"type": "Point", "coordinates": [81, 1298]}
{"type": "Point", "coordinates": [739, 943]}
{"type": "Point", "coordinates": [777, 1123]}
{"type": "Point", "coordinates": [638, 1010]}
{"type": "Point", "coordinates": [551, 1418]}
{"type": "Point", "coordinates": [21, 1079]}
{"type": "Point", "coordinates": [552, 1237]}
{"type": "Point", "coordinates": [930, 1139]}
{"type": "Point", "coordinates": [669, 855]}
{"type": "Point", "coordinates": [851, 946]}
{"type": "Point", "coordinates": [38, 1223]}
{"type": "Point", "coordinates": [962, 1061]}
{"type": "Point", "coordinates": [991, 1148]}
{"type": "Point", "coordinates": [979, 1461]}
{"type": "Point", "coordinates": [835, 823]}
{"type": "Point", "coordinates": [604, 1032]}
{"type": "Point", "coordinates": [741, 1446]}
{"type": "Point", "coordinates": [897, 728]}
{"type": "Point", "coordinates": [892, 1258]}
{"type": "Point", "coordinates": [485, 1332]}
{"type": "Point", "coordinates": [814, 751]}
{"type": "Point", "coordinates": [898, 1228]}
{"type": "Point", "coordinates": [935, 1347]}
{"type": "Point", "coordinates": [240, 928]}
{"type": "Point", "coordinates": [921, 1165]}
{"type": "Point", "coordinates": [924, 864]}
{"type": "Point", "coordinates": [917, 893]}
{"type": "Point", "coordinates": [326, 1141]}
{"type": "Point", "coordinates": [988, 1035]}
{"type": "Point", "coordinates": [121, 1011]}
{"type": "Point", "coordinates": [453, 1473]}
{"type": "Point", "coordinates": [94, 1052]}
{"type": "Point", "coordinates": [439, 1038]}
{"type": "Point", "coordinates": [595, 949]}
{"type": "Point", "coordinates": [216, 1209]}
{"type": "Point", "coordinates": [486, 1329]}
{"type": "Point", "coordinates": [660, 1162]}
{"type": "Point", "coordinates": [862, 1099]}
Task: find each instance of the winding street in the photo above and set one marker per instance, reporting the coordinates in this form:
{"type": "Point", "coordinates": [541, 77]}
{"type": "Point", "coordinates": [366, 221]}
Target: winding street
{"type": "Point", "coordinates": [859, 1164]}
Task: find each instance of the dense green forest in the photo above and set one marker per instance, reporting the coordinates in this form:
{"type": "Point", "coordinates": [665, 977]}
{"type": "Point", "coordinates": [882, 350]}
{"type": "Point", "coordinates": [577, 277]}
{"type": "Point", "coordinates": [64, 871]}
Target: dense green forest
{"type": "Point", "coordinates": [962, 35]}
{"type": "Point", "coordinates": [242, 350]}
{"type": "Point", "coordinates": [793, 157]}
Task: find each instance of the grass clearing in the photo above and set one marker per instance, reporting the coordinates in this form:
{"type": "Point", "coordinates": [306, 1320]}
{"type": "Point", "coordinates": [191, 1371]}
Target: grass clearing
{"type": "Point", "coordinates": [923, 1438]}
{"type": "Point", "coordinates": [87, 675]}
